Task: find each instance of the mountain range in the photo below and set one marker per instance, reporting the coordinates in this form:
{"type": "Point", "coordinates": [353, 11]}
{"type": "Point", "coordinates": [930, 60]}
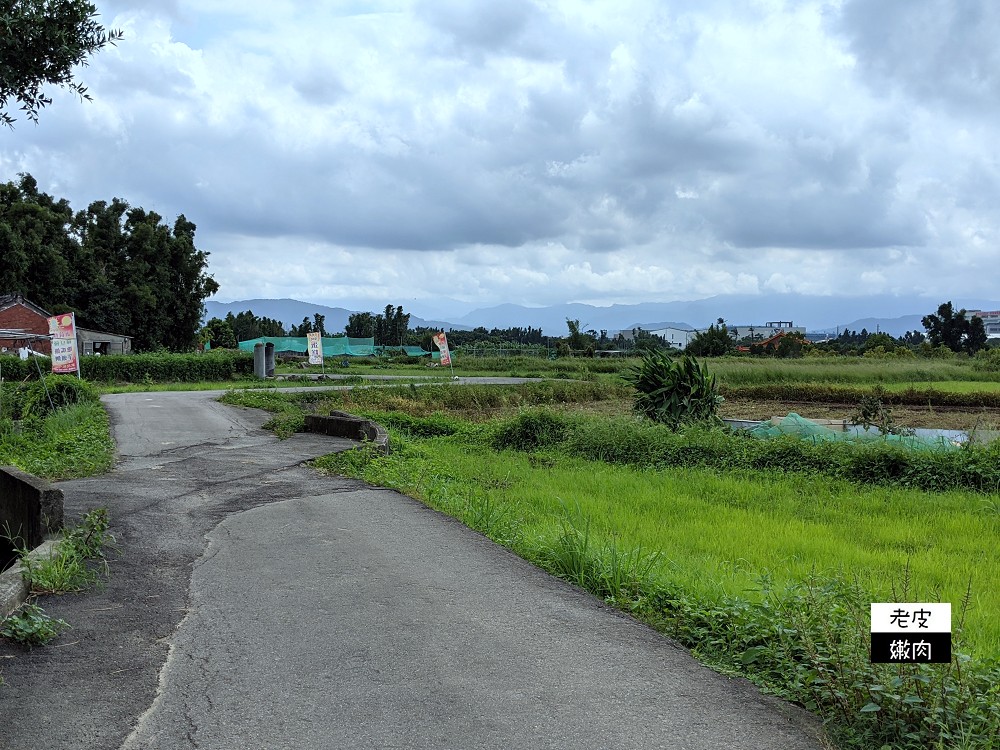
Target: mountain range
{"type": "Point", "coordinates": [892, 315]}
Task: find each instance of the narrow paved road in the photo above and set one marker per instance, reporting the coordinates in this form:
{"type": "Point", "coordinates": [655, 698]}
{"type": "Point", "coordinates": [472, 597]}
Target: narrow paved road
{"type": "Point", "coordinates": [256, 604]}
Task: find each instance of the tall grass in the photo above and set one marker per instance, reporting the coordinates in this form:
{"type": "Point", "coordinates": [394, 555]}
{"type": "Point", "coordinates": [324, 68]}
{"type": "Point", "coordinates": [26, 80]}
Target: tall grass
{"type": "Point", "coordinates": [74, 441]}
{"type": "Point", "coordinates": [733, 371]}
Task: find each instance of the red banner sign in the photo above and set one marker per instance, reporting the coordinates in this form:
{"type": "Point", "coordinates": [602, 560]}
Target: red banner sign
{"type": "Point", "coordinates": [441, 342]}
{"type": "Point", "coordinates": [65, 357]}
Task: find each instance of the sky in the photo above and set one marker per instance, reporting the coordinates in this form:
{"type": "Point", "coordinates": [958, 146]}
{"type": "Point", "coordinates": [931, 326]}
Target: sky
{"type": "Point", "coordinates": [454, 154]}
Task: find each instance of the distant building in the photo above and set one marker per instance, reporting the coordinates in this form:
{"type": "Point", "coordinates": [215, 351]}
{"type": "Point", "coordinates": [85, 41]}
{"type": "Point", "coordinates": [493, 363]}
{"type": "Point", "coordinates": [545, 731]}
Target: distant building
{"type": "Point", "coordinates": [22, 322]}
{"type": "Point", "coordinates": [677, 338]}
{"type": "Point", "coordinates": [991, 322]}
{"type": "Point", "coordinates": [763, 331]}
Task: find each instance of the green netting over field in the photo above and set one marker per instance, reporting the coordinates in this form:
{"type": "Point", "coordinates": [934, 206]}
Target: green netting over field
{"type": "Point", "coordinates": [805, 429]}
{"type": "Point", "coordinates": [410, 351]}
{"type": "Point", "coordinates": [337, 346]}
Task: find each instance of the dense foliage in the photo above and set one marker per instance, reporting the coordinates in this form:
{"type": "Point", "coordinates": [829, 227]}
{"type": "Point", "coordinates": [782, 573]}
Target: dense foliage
{"type": "Point", "coordinates": [960, 331]}
{"type": "Point", "coordinates": [247, 326]}
{"type": "Point", "coordinates": [714, 341]}
{"type": "Point", "coordinates": [165, 368]}
{"type": "Point", "coordinates": [121, 269]}
{"type": "Point", "coordinates": [41, 44]}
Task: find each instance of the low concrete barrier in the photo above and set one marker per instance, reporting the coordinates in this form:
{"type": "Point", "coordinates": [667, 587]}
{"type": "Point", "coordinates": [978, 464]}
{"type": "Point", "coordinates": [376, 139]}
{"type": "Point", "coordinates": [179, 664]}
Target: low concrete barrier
{"type": "Point", "coordinates": [30, 508]}
{"type": "Point", "coordinates": [342, 424]}
{"type": "Point", "coordinates": [13, 587]}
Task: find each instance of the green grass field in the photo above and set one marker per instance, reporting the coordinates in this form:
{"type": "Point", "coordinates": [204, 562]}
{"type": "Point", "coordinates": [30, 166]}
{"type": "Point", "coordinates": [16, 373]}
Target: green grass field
{"type": "Point", "coordinates": [949, 386]}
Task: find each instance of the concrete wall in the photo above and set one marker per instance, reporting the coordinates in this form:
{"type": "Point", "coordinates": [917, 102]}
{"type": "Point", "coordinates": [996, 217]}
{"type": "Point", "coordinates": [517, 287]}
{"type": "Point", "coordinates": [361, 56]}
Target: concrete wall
{"type": "Point", "coordinates": [341, 424]}
{"type": "Point", "coordinates": [29, 507]}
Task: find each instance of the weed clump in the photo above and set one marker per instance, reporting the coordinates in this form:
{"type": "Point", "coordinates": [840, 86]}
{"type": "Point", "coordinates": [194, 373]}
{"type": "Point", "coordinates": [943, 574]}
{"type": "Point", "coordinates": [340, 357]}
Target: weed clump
{"type": "Point", "coordinates": [531, 430]}
{"type": "Point", "coordinates": [78, 560]}
{"type": "Point", "coordinates": [30, 626]}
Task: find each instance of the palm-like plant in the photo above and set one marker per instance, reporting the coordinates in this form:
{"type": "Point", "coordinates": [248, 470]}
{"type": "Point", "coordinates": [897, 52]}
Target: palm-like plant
{"type": "Point", "coordinates": [672, 392]}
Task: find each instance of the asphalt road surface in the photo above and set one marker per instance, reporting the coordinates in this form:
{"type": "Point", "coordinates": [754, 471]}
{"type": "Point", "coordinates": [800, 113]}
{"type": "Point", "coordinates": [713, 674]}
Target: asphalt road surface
{"type": "Point", "coordinates": [256, 604]}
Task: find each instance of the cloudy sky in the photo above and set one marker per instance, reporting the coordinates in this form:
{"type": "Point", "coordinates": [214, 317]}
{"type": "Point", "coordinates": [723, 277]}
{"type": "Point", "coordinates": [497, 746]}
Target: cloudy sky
{"type": "Point", "coordinates": [453, 154]}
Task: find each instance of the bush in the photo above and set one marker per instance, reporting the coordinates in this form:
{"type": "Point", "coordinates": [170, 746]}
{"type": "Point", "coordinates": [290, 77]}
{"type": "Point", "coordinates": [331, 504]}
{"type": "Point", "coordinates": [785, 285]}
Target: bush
{"type": "Point", "coordinates": [876, 462]}
{"type": "Point", "coordinates": [674, 393]}
{"type": "Point", "coordinates": [15, 369]}
{"type": "Point", "coordinates": [434, 425]}
{"type": "Point", "coordinates": [530, 430]}
{"type": "Point", "coordinates": [39, 398]}
{"type": "Point", "coordinates": [987, 360]}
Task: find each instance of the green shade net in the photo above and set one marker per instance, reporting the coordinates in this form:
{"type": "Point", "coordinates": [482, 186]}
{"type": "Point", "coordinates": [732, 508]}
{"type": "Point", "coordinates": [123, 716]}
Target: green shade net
{"type": "Point", "coordinates": [805, 429]}
{"type": "Point", "coordinates": [337, 346]}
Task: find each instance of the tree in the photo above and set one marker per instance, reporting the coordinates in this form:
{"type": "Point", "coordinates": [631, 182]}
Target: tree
{"type": "Point", "coordinates": [577, 339]}
{"type": "Point", "coordinates": [121, 269]}
{"type": "Point", "coordinates": [360, 325]}
{"type": "Point", "coordinates": [390, 326]}
{"type": "Point", "coordinates": [41, 42]}
{"type": "Point", "coordinates": [715, 341]}
{"type": "Point", "coordinates": [220, 334]}
{"type": "Point", "coordinates": [301, 330]}
{"type": "Point", "coordinates": [318, 327]}
{"type": "Point", "coordinates": [955, 330]}
{"type": "Point", "coordinates": [976, 338]}
{"type": "Point", "coordinates": [887, 342]}
{"type": "Point", "coordinates": [247, 326]}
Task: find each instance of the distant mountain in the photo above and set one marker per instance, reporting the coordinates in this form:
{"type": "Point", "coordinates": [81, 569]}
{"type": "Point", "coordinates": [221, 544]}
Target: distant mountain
{"type": "Point", "coordinates": [813, 313]}
{"type": "Point", "coordinates": [291, 312]}
{"type": "Point", "coordinates": [893, 315]}
{"type": "Point", "coordinates": [893, 326]}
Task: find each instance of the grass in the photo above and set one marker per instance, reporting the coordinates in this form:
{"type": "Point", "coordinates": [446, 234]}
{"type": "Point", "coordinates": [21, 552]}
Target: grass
{"type": "Point", "coordinates": [218, 385]}
{"type": "Point", "coordinates": [70, 567]}
{"type": "Point", "coordinates": [765, 576]}
{"type": "Point", "coordinates": [74, 441]}
{"type": "Point", "coordinates": [949, 386]}
{"type": "Point", "coordinates": [738, 371]}
{"type": "Point", "coordinates": [76, 563]}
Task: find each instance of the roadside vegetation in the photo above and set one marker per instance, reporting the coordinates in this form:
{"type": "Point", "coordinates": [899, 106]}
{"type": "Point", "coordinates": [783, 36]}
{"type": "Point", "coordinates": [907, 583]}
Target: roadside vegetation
{"type": "Point", "coordinates": [75, 563]}
{"type": "Point", "coordinates": [54, 428]}
{"type": "Point", "coordinates": [762, 557]}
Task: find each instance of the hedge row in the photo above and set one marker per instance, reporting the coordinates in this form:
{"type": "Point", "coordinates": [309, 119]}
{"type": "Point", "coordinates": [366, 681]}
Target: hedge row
{"type": "Point", "coordinates": [139, 368]}
{"type": "Point", "coordinates": [647, 445]}
{"type": "Point", "coordinates": [838, 394]}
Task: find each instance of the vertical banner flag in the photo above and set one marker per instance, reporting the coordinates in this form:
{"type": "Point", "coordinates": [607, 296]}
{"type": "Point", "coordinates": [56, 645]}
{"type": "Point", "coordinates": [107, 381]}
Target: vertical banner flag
{"type": "Point", "coordinates": [911, 633]}
{"type": "Point", "coordinates": [441, 341]}
{"type": "Point", "coordinates": [315, 348]}
{"type": "Point", "coordinates": [62, 329]}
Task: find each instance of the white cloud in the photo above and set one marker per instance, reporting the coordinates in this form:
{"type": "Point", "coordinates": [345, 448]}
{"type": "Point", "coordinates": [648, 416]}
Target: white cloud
{"type": "Point", "coordinates": [547, 151]}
